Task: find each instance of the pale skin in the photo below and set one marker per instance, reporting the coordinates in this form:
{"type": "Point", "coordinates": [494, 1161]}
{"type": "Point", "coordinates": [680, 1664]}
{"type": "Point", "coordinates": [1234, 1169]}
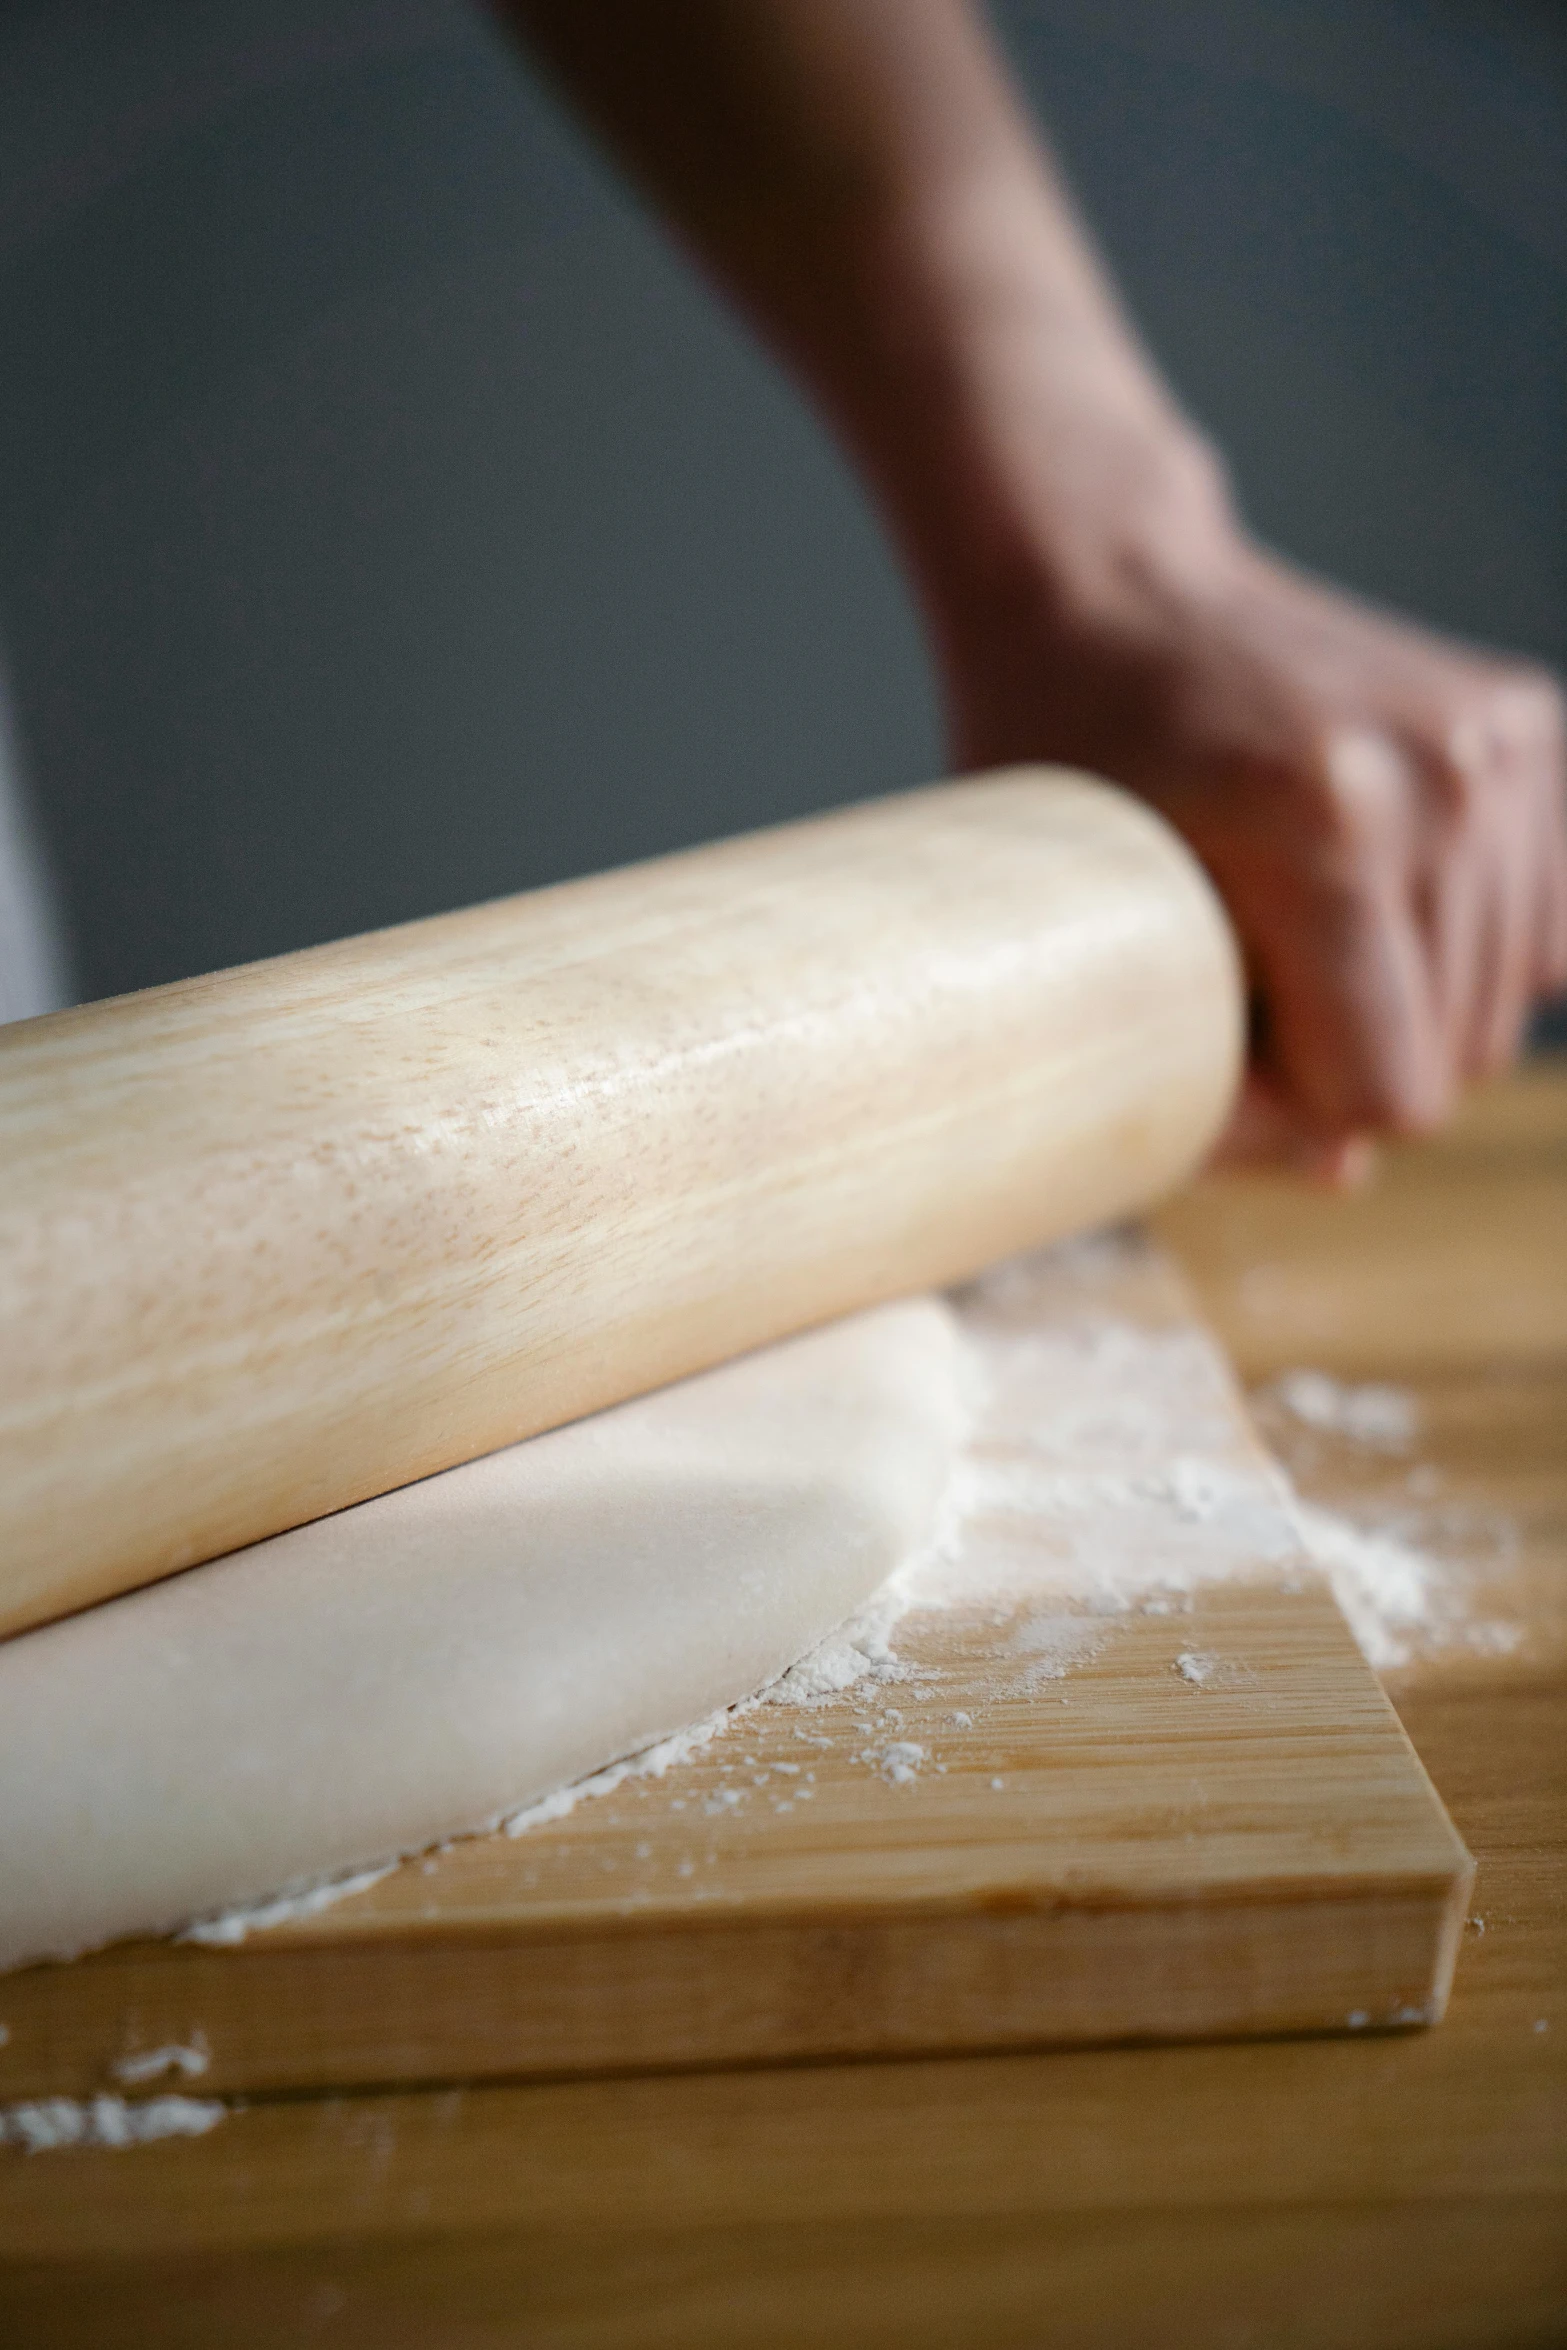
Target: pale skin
{"type": "Point", "coordinates": [1382, 809]}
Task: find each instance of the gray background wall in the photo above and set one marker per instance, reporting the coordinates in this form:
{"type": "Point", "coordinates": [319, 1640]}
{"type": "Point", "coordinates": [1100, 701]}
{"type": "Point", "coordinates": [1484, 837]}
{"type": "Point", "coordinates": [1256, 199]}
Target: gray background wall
{"type": "Point", "coordinates": [388, 520]}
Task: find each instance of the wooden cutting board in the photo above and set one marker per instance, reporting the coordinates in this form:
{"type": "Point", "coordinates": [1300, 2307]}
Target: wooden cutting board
{"type": "Point", "coordinates": [1139, 1784]}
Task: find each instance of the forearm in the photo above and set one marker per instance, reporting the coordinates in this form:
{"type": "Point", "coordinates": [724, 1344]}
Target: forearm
{"type": "Point", "coordinates": [1382, 812]}
{"type": "Point", "coordinates": [860, 177]}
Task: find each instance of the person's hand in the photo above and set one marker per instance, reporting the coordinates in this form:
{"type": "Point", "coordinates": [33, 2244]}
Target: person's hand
{"type": "Point", "coordinates": [1381, 810]}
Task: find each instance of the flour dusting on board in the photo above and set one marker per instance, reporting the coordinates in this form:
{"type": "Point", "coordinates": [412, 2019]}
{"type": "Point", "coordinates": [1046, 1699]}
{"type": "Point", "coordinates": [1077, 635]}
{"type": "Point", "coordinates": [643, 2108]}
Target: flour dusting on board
{"type": "Point", "coordinates": [1100, 1444]}
{"type": "Point", "coordinates": [653, 1762]}
{"type": "Point", "coordinates": [49, 2123]}
{"type": "Point", "coordinates": [153, 2064]}
{"type": "Point", "coordinates": [283, 1909]}
{"type": "Point", "coordinates": [1386, 1418]}
{"type": "Point", "coordinates": [1097, 1445]}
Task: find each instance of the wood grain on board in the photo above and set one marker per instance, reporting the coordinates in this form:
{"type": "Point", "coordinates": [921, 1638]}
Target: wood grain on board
{"type": "Point", "coordinates": [1070, 1818]}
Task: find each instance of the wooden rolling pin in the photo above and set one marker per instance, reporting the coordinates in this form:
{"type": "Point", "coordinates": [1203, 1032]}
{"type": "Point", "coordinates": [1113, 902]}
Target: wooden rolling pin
{"type": "Point", "coordinates": [276, 1240]}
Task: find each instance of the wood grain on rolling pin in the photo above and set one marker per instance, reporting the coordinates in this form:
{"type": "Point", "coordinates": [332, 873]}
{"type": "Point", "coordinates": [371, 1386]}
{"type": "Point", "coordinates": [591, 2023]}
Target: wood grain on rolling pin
{"type": "Point", "coordinates": [278, 1239]}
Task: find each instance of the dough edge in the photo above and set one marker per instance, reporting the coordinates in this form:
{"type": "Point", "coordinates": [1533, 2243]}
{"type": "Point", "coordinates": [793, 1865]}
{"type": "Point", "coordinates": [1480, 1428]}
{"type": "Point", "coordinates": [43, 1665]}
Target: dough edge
{"type": "Point", "coordinates": [165, 1753]}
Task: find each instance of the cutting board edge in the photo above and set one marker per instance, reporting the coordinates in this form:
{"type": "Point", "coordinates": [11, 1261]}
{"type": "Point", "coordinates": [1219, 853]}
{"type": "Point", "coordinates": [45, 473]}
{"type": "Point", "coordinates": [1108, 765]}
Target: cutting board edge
{"type": "Point", "coordinates": [752, 1992]}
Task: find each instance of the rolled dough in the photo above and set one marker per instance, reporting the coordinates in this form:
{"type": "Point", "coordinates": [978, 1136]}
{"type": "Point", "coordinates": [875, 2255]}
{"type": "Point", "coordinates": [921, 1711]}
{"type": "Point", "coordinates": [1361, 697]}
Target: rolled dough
{"type": "Point", "coordinates": [426, 1663]}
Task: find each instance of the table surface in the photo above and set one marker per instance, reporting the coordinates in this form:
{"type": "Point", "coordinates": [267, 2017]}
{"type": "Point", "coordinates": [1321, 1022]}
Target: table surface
{"type": "Point", "coordinates": [1407, 2191]}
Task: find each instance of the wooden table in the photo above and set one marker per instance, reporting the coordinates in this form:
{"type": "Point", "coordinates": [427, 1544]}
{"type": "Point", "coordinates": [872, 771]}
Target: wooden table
{"type": "Point", "coordinates": [1408, 2191]}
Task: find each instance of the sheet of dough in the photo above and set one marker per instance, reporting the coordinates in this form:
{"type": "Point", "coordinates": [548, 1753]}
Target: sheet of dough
{"type": "Point", "coordinates": [428, 1662]}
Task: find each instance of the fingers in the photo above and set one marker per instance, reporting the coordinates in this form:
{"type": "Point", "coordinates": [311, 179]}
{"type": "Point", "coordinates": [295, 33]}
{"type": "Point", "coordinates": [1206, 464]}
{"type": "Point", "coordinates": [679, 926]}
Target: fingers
{"type": "Point", "coordinates": [1385, 815]}
{"type": "Point", "coordinates": [1454, 914]}
{"type": "Point", "coordinates": [1551, 817]}
{"type": "Point", "coordinates": [1507, 989]}
{"type": "Point", "coordinates": [1265, 1131]}
{"type": "Point", "coordinates": [1493, 867]}
{"type": "Point", "coordinates": [1357, 1037]}
{"type": "Point", "coordinates": [1434, 913]}
{"type": "Point", "coordinates": [1551, 962]}
{"type": "Point", "coordinates": [1473, 895]}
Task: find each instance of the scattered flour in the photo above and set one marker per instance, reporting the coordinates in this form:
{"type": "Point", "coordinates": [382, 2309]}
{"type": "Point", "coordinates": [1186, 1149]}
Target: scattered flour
{"type": "Point", "coordinates": [1386, 1587]}
{"type": "Point", "coordinates": [1099, 1444]}
{"type": "Point", "coordinates": [651, 1763]}
{"type": "Point", "coordinates": [1112, 1444]}
{"type": "Point", "coordinates": [53, 2122]}
{"type": "Point", "coordinates": [859, 1651]}
{"type": "Point", "coordinates": [152, 2063]}
{"type": "Point", "coordinates": [1385, 1418]}
{"type": "Point", "coordinates": [1054, 1644]}
{"type": "Point", "coordinates": [1400, 1600]}
{"type": "Point", "coordinates": [284, 1908]}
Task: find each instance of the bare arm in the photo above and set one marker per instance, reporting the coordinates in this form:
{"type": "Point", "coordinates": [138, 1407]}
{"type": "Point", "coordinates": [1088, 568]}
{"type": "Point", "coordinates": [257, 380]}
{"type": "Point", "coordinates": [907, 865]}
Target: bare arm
{"type": "Point", "coordinates": [1381, 809]}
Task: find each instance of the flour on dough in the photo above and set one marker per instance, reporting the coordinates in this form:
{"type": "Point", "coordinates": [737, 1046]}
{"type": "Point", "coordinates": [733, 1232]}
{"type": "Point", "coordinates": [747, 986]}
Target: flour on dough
{"type": "Point", "coordinates": [429, 1662]}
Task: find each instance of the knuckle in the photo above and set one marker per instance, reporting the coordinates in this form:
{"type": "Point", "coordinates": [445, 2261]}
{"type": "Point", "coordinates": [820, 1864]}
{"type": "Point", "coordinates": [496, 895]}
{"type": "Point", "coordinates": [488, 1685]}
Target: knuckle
{"type": "Point", "coordinates": [1509, 724]}
{"type": "Point", "coordinates": [1534, 701]}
